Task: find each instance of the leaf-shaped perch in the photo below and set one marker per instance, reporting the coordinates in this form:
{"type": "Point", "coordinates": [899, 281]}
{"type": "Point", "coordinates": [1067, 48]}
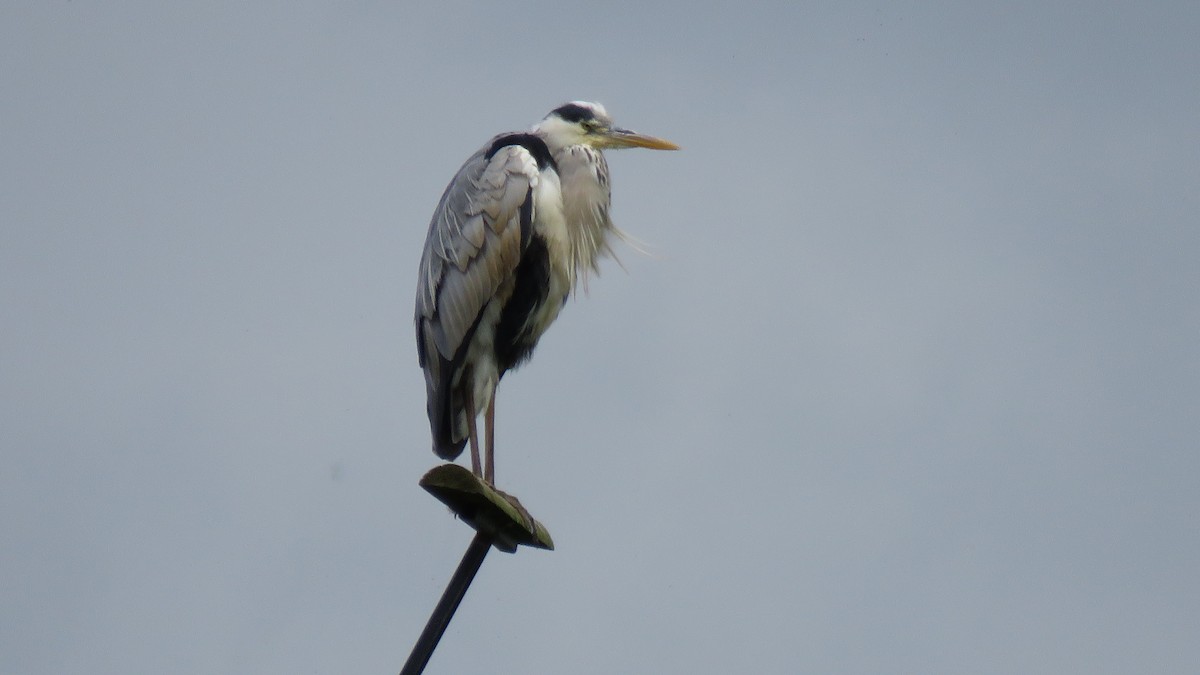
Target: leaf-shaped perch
{"type": "Point", "coordinates": [488, 510]}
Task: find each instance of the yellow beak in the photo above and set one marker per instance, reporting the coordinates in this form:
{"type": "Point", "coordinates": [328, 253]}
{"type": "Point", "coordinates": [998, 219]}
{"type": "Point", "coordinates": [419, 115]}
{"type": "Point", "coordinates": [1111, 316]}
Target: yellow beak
{"type": "Point", "coordinates": [624, 138]}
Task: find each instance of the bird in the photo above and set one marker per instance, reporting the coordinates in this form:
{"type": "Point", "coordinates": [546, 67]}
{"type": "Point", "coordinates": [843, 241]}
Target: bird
{"type": "Point", "coordinates": [520, 226]}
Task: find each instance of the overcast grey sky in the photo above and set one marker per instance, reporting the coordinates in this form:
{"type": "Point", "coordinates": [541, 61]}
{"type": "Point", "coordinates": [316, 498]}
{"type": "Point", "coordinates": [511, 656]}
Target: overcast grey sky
{"type": "Point", "coordinates": [910, 384]}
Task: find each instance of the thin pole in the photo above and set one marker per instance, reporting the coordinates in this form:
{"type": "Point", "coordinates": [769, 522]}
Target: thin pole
{"type": "Point", "coordinates": [444, 611]}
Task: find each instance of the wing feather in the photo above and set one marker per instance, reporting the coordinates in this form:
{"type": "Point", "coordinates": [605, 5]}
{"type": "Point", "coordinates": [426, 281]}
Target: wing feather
{"type": "Point", "coordinates": [474, 244]}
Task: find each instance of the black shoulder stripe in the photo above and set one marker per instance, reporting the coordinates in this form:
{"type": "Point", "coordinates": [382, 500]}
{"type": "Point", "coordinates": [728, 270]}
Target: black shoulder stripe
{"type": "Point", "coordinates": [535, 146]}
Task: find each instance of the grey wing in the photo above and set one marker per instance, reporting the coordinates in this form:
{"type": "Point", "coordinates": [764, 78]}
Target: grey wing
{"type": "Point", "coordinates": [475, 242]}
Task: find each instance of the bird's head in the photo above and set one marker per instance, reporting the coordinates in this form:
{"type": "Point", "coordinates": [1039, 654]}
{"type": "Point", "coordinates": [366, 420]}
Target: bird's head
{"type": "Point", "coordinates": [584, 123]}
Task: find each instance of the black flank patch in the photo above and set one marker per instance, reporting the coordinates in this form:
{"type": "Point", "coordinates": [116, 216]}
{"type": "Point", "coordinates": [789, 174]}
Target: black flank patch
{"type": "Point", "coordinates": [513, 344]}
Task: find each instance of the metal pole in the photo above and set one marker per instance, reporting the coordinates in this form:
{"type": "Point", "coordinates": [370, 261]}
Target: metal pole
{"type": "Point", "coordinates": [444, 611]}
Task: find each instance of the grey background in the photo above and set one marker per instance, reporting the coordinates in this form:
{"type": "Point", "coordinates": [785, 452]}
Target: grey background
{"type": "Point", "coordinates": [910, 384]}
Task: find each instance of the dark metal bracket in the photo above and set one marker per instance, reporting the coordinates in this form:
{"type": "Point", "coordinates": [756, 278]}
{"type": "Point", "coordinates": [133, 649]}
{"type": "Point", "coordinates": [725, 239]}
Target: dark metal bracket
{"type": "Point", "coordinates": [499, 520]}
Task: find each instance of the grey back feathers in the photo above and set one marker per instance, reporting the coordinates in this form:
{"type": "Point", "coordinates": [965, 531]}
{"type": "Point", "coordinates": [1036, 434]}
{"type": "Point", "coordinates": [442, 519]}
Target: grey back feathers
{"type": "Point", "coordinates": [474, 244]}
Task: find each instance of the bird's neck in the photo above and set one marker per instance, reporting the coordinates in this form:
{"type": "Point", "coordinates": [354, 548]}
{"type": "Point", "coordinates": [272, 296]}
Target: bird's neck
{"type": "Point", "coordinates": [583, 174]}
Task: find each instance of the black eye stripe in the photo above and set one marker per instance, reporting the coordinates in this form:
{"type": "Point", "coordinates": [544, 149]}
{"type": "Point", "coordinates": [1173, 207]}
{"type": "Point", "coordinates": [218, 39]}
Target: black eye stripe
{"type": "Point", "coordinates": [574, 113]}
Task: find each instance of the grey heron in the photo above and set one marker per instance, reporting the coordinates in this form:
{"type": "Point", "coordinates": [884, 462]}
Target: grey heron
{"type": "Point", "coordinates": [523, 221]}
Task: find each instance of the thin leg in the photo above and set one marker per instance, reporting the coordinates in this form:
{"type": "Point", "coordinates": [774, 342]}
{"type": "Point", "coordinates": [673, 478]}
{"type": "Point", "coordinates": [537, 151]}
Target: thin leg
{"type": "Point", "coordinates": [489, 434]}
{"type": "Point", "coordinates": [472, 434]}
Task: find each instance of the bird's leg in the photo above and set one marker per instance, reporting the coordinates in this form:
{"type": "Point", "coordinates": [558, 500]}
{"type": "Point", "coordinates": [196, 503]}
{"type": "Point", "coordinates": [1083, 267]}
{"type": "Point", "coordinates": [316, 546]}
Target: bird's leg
{"type": "Point", "coordinates": [472, 434]}
{"type": "Point", "coordinates": [489, 436]}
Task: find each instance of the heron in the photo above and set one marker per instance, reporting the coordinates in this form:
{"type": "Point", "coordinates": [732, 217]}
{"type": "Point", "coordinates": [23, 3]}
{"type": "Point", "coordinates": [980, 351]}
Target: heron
{"type": "Point", "coordinates": [523, 222]}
